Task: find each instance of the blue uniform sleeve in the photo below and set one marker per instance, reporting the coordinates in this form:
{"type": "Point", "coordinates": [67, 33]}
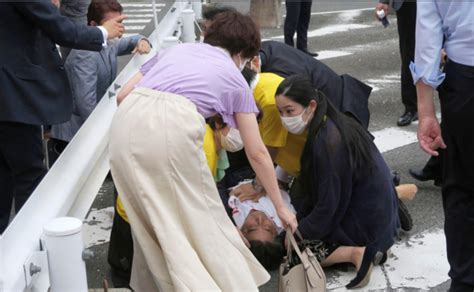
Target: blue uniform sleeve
{"type": "Point", "coordinates": [429, 41]}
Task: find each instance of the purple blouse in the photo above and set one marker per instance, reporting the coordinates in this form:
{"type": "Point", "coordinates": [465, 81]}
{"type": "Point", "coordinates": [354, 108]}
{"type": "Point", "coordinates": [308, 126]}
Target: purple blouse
{"type": "Point", "coordinates": [204, 74]}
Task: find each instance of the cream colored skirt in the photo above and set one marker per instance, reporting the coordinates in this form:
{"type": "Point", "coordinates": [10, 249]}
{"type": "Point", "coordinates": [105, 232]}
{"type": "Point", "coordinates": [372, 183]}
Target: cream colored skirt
{"type": "Point", "coordinates": [183, 238]}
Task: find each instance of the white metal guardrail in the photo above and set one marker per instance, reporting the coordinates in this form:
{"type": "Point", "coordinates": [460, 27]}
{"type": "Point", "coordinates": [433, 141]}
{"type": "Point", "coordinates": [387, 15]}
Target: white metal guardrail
{"type": "Point", "coordinates": [71, 185]}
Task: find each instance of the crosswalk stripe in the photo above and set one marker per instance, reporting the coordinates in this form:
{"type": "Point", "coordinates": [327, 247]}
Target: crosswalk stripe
{"type": "Point", "coordinates": [139, 15]}
{"type": "Point", "coordinates": [137, 10]}
{"type": "Point", "coordinates": [126, 21]}
{"type": "Point", "coordinates": [135, 27]}
{"type": "Point", "coordinates": [331, 29]}
{"type": "Point", "coordinates": [392, 138]}
{"type": "Point", "coordinates": [322, 55]}
{"type": "Point", "coordinates": [126, 5]}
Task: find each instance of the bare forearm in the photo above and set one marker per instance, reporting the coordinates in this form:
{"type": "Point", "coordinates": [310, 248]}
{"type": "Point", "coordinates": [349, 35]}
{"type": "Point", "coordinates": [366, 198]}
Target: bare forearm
{"type": "Point", "coordinates": [128, 87]}
{"type": "Point", "coordinates": [426, 106]}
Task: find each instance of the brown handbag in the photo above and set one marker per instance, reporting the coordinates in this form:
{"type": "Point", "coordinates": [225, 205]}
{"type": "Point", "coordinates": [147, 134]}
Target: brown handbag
{"type": "Point", "coordinates": [307, 276]}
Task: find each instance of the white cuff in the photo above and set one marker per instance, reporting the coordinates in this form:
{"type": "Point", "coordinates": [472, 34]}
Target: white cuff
{"type": "Point", "coordinates": [105, 34]}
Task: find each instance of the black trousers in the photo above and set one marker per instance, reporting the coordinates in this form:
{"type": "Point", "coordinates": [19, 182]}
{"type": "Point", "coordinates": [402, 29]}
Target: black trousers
{"type": "Point", "coordinates": [406, 22]}
{"type": "Point", "coordinates": [298, 15]}
{"type": "Point", "coordinates": [120, 254]}
{"type": "Point", "coordinates": [55, 149]}
{"type": "Point", "coordinates": [433, 166]}
{"type": "Point", "coordinates": [457, 111]}
{"type": "Point", "coordinates": [21, 165]}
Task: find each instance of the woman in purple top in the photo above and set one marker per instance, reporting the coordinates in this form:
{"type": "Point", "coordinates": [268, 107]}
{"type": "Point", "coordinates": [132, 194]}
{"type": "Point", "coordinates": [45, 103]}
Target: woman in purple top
{"type": "Point", "coordinates": [183, 238]}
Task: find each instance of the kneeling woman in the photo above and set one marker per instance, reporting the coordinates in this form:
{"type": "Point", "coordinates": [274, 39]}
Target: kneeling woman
{"type": "Point", "coordinates": [348, 199]}
{"type": "Point", "coordinates": [182, 237]}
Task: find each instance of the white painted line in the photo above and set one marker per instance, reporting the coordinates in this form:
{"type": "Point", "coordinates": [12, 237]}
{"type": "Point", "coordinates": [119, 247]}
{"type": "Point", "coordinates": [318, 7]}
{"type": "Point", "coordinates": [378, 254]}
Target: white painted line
{"type": "Point", "coordinates": [392, 138]}
{"type": "Point", "coordinates": [322, 55]}
{"type": "Point", "coordinates": [383, 82]}
{"type": "Point", "coordinates": [136, 21]}
{"type": "Point", "coordinates": [339, 11]}
{"type": "Point", "coordinates": [134, 27]}
{"type": "Point", "coordinates": [139, 15]}
{"type": "Point", "coordinates": [126, 5]}
{"type": "Point", "coordinates": [136, 10]}
{"type": "Point", "coordinates": [128, 34]}
{"type": "Point", "coordinates": [342, 11]}
{"type": "Point", "coordinates": [331, 29]}
{"type": "Point", "coordinates": [97, 226]}
{"type": "Point", "coordinates": [429, 270]}
{"type": "Point", "coordinates": [336, 28]}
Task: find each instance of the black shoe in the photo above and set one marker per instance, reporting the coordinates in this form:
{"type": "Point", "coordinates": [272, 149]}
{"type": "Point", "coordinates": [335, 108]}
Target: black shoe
{"type": "Point", "coordinates": [423, 175]}
{"type": "Point", "coordinates": [407, 118]}
{"type": "Point", "coordinates": [396, 178]}
{"type": "Point", "coordinates": [363, 275]}
{"type": "Point", "coordinates": [310, 53]}
{"type": "Point", "coordinates": [406, 222]}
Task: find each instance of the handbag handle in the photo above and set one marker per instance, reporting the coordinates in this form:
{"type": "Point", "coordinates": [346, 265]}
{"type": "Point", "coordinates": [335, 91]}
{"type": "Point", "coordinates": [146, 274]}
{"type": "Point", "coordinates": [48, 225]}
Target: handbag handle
{"type": "Point", "coordinates": [291, 243]}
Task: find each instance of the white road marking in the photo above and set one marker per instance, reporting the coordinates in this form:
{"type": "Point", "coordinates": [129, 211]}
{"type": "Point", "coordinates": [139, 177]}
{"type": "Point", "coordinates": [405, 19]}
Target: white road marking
{"type": "Point", "coordinates": [339, 11]}
{"type": "Point", "coordinates": [127, 5]}
{"type": "Point", "coordinates": [126, 21]}
{"type": "Point", "coordinates": [128, 34]}
{"type": "Point", "coordinates": [342, 11]}
{"type": "Point", "coordinates": [136, 10]}
{"type": "Point", "coordinates": [322, 55]}
{"type": "Point", "coordinates": [392, 138]}
{"type": "Point", "coordinates": [383, 82]}
{"type": "Point", "coordinates": [134, 27]}
{"type": "Point", "coordinates": [331, 29]}
{"type": "Point", "coordinates": [139, 15]}
{"type": "Point", "coordinates": [97, 226]}
{"type": "Point", "coordinates": [402, 270]}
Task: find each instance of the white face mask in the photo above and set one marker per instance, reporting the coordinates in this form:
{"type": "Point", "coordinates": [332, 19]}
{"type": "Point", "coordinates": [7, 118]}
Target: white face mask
{"type": "Point", "coordinates": [242, 63]}
{"type": "Point", "coordinates": [296, 124]}
{"type": "Point", "coordinates": [232, 142]}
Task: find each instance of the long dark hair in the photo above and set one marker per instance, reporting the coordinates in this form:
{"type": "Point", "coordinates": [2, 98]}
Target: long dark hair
{"type": "Point", "coordinates": [299, 89]}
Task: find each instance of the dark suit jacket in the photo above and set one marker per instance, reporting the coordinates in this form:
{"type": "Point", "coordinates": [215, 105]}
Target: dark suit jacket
{"type": "Point", "coordinates": [346, 93]}
{"type": "Point", "coordinates": [34, 88]}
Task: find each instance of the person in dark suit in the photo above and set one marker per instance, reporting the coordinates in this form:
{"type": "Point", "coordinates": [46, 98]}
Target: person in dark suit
{"type": "Point", "coordinates": [298, 15]}
{"type": "Point", "coordinates": [75, 10]}
{"type": "Point", "coordinates": [346, 93]}
{"type": "Point", "coordinates": [35, 89]}
{"type": "Point", "coordinates": [406, 20]}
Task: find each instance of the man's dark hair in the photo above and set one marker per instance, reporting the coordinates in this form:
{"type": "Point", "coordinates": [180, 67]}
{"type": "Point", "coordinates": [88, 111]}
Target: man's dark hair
{"type": "Point", "coordinates": [268, 253]}
{"type": "Point", "coordinates": [98, 8]}
{"type": "Point", "coordinates": [211, 10]}
{"type": "Point", "coordinates": [235, 32]}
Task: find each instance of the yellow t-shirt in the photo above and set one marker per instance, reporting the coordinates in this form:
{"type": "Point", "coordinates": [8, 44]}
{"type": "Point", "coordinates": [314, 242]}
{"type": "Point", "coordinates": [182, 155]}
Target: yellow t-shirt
{"type": "Point", "coordinates": [271, 129]}
{"type": "Point", "coordinates": [209, 146]}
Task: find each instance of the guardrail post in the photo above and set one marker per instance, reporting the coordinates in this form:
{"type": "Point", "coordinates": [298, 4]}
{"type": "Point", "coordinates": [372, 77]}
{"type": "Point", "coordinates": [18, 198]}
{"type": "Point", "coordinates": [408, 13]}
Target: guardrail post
{"type": "Point", "coordinates": [64, 246]}
{"type": "Point", "coordinates": [169, 42]}
{"type": "Point", "coordinates": [197, 7]}
{"type": "Point", "coordinates": [188, 35]}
